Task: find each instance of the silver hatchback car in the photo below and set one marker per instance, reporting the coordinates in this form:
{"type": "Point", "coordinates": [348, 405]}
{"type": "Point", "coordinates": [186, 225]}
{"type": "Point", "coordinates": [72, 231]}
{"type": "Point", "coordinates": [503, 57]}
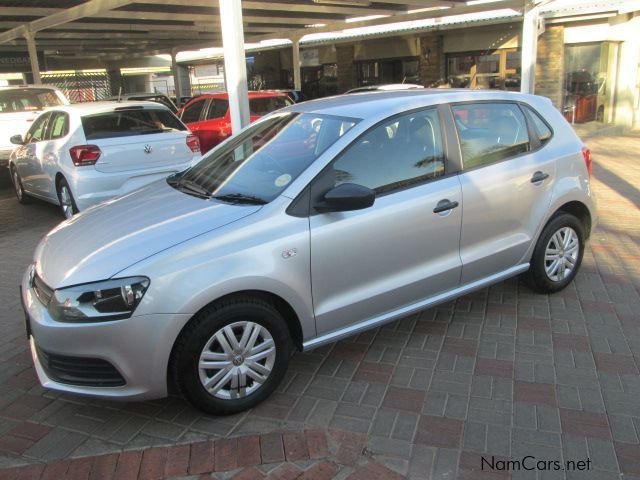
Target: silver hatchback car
{"type": "Point", "coordinates": [314, 223]}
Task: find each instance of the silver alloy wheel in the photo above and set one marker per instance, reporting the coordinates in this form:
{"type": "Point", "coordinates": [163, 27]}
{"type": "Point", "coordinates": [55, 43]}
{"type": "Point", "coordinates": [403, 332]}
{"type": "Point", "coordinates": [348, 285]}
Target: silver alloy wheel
{"type": "Point", "coordinates": [237, 360]}
{"type": "Point", "coordinates": [17, 185]}
{"type": "Point", "coordinates": [561, 254]}
{"type": "Point", "coordinates": [65, 202]}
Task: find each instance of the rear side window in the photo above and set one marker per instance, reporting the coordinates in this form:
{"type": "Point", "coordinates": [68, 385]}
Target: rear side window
{"type": "Point", "coordinates": [541, 128]}
{"type": "Point", "coordinates": [217, 108]}
{"type": "Point", "coordinates": [262, 106]}
{"type": "Point", "coordinates": [28, 99]}
{"type": "Point", "coordinates": [125, 123]}
{"type": "Point", "coordinates": [192, 112]}
{"type": "Point", "coordinates": [490, 132]}
{"type": "Point", "coordinates": [58, 125]}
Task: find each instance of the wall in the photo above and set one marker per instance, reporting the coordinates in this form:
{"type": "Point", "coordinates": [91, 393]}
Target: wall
{"type": "Point", "coordinates": [550, 65]}
{"type": "Point", "coordinates": [346, 67]}
{"type": "Point", "coordinates": [432, 61]}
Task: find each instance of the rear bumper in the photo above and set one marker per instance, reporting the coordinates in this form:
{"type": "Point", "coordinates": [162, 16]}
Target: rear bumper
{"type": "Point", "coordinates": [90, 187]}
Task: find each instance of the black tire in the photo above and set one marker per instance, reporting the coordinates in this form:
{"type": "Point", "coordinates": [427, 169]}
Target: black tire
{"type": "Point", "coordinates": [68, 209]}
{"type": "Point", "coordinates": [196, 335]}
{"type": "Point", "coordinates": [22, 197]}
{"type": "Point", "coordinates": [537, 277]}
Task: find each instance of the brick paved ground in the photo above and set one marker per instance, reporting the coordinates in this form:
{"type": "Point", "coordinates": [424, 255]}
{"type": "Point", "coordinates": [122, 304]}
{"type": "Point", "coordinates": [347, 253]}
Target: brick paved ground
{"type": "Point", "coordinates": [502, 372]}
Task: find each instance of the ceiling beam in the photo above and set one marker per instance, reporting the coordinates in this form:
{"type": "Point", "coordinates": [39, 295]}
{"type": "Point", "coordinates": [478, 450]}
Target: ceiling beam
{"type": "Point", "coordinates": [63, 16]}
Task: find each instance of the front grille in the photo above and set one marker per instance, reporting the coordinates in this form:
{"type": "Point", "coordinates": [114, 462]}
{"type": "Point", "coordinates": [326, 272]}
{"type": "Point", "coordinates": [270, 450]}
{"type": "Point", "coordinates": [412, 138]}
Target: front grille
{"type": "Point", "coordinates": [81, 371]}
{"type": "Point", "coordinates": [42, 290]}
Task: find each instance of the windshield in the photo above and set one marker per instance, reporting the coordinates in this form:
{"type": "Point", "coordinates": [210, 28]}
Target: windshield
{"type": "Point", "coordinates": [260, 163]}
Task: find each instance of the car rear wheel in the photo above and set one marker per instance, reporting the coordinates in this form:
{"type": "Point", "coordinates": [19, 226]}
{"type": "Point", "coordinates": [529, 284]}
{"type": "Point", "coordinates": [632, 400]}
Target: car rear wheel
{"type": "Point", "coordinates": [558, 254]}
{"type": "Point", "coordinates": [17, 187]}
{"type": "Point", "coordinates": [65, 197]}
{"type": "Point", "coordinates": [232, 355]}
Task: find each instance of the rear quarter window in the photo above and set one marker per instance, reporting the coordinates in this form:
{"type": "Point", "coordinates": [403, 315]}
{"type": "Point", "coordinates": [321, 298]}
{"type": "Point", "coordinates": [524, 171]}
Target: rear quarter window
{"type": "Point", "coordinates": [126, 123]}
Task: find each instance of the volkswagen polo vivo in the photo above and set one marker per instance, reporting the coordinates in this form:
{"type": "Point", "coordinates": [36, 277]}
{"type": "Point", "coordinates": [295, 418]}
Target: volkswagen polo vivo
{"type": "Point", "coordinates": [314, 223]}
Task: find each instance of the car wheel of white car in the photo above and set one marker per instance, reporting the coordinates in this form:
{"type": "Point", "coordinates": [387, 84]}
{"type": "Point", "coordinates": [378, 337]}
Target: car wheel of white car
{"type": "Point", "coordinates": [558, 254]}
{"type": "Point", "coordinates": [17, 187]}
{"type": "Point", "coordinates": [232, 355]}
{"type": "Point", "coordinates": [67, 203]}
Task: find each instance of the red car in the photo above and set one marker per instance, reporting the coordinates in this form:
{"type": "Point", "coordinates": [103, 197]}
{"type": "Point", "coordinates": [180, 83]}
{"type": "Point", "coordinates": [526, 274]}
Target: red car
{"type": "Point", "coordinates": [208, 115]}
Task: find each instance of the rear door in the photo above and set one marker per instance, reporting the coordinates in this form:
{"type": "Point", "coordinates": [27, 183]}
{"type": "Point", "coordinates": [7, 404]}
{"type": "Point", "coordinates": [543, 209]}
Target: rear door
{"type": "Point", "coordinates": [48, 154]}
{"type": "Point", "coordinates": [507, 183]}
{"type": "Point", "coordinates": [137, 138]}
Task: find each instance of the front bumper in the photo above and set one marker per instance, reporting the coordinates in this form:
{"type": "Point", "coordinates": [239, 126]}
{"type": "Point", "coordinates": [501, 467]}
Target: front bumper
{"type": "Point", "coordinates": [138, 348]}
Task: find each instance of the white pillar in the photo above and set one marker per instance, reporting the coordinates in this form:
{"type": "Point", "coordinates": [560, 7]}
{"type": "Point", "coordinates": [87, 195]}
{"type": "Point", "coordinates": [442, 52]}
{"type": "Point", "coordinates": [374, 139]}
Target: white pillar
{"type": "Point", "coordinates": [529, 48]}
{"type": "Point", "coordinates": [177, 80]}
{"type": "Point", "coordinates": [297, 79]}
{"type": "Point", "coordinates": [33, 55]}
{"type": "Point", "coordinates": [235, 66]}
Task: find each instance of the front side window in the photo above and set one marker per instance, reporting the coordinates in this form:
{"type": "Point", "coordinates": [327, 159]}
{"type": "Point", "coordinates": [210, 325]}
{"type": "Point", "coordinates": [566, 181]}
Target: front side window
{"type": "Point", "coordinates": [490, 132]}
{"type": "Point", "coordinates": [264, 159]}
{"type": "Point", "coordinates": [192, 112]}
{"type": "Point", "coordinates": [398, 153]}
{"type": "Point", "coordinates": [129, 122]}
{"type": "Point", "coordinates": [37, 130]}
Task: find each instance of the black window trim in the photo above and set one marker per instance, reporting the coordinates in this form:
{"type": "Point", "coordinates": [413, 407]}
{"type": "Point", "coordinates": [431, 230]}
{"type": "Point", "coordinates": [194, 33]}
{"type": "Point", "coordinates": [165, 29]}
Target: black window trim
{"type": "Point", "coordinates": [301, 206]}
{"type": "Point", "coordinates": [534, 141]}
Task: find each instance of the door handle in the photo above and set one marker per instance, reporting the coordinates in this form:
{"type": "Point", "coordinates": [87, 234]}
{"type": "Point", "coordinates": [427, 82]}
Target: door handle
{"type": "Point", "coordinates": [444, 205]}
{"type": "Point", "coordinates": [539, 176]}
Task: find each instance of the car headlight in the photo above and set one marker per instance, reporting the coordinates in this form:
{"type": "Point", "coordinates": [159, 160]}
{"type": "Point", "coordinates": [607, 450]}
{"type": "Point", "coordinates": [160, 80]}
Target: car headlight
{"type": "Point", "coordinates": [98, 302]}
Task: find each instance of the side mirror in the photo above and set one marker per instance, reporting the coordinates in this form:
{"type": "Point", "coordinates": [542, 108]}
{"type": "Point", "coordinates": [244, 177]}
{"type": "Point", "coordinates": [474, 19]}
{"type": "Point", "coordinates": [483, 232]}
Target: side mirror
{"type": "Point", "coordinates": [346, 197]}
{"type": "Point", "coordinates": [17, 140]}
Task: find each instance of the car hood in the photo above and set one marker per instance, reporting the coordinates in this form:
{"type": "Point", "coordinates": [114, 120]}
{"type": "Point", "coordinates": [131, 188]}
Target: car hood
{"type": "Point", "coordinates": [105, 239]}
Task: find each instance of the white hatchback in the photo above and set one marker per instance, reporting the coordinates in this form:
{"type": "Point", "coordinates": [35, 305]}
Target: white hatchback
{"type": "Point", "coordinates": [79, 155]}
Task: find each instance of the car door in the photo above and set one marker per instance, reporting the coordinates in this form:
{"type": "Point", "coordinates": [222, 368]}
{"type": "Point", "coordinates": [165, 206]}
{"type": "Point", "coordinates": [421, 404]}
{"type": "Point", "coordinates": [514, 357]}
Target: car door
{"type": "Point", "coordinates": [368, 264]}
{"type": "Point", "coordinates": [28, 156]}
{"type": "Point", "coordinates": [49, 155]}
{"type": "Point", "coordinates": [507, 183]}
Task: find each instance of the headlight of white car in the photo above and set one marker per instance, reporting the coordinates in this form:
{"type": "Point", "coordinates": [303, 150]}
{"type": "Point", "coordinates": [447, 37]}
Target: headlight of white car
{"type": "Point", "coordinates": [98, 302]}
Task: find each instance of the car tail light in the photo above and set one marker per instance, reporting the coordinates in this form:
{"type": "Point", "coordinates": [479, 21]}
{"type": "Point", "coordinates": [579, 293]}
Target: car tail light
{"type": "Point", "coordinates": [84, 155]}
{"type": "Point", "coordinates": [193, 143]}
{"type": "Point", "coordinates": [586, 154]}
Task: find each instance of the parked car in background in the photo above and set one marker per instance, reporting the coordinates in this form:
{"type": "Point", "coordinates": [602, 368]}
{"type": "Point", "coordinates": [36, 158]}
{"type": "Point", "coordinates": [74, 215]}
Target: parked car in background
{"type": "Point", "coordinates": [208, 115]}
{"type": "Point", "coordinates": [315, 223]}
{"type": "Point", "coordinates": [19, 107]}
{"type": "Point", "coordinates": [78, 155]}
{"type": "Point", "coordinates": [160, 98]}
{"type": "Point", "coordinates": [183, 100]}
{"type": "Point", "coordinates": [387, 87]}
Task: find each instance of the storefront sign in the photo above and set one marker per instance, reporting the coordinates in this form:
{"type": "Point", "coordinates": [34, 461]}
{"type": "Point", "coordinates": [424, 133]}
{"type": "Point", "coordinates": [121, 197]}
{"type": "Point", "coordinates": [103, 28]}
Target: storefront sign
{"type": "Point", "coordinates": [206, 71]}
{"type": "Point", "coordinates": [16, 62]}
{"type": "Point", "coordinates": [310, 58]}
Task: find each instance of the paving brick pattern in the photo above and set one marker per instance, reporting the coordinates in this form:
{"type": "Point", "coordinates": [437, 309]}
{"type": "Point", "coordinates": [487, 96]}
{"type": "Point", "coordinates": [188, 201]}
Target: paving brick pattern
{"type": "Point", "coordinates": [499, 374]}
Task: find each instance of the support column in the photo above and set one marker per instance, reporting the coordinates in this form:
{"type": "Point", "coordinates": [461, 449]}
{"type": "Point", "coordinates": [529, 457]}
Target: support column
{"type": "Point", "coordinates": [297, 77]}
{"type": "Point", "coordinates": [235, 65]}
{"type": "Point", "coordinates": [177, 80]}
{"type": "Point", "coordinates": [33, 55]}
{"type": "Point", "coordinates": [529, 48]}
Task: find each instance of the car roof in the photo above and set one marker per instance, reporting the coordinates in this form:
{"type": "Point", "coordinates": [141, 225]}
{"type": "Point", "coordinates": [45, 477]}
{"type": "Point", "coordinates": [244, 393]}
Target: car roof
{"type": "Point", "coordinates": [260, 94]}
{"type": "Point", "coordinates": [28, 87]}
{"type": "Point", "coordinates": [90, 108]}
{"type": "Point", "coordinates": [382, 104]}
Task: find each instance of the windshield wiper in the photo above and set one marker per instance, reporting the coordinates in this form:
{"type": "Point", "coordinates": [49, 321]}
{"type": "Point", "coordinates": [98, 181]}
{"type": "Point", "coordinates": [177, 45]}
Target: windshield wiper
{"type": "Point", "coordinates": [240, 198]}
{"type": "Point", "coordinates": [190, 186]}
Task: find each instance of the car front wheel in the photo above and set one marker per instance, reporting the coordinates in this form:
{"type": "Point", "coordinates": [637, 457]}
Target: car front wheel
{"type": "Point", "coordinates": [557, 255]}
{"type": "Point", "coordinates": [232, 355]}
{"type": "Point", "coordinates": [17, 186]}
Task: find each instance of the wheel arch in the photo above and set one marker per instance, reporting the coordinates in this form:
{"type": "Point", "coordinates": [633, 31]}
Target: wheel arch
{"type": "Point", "coordinates": [280, 304]}
{"type": "Point", "coordinates": [578, 210]}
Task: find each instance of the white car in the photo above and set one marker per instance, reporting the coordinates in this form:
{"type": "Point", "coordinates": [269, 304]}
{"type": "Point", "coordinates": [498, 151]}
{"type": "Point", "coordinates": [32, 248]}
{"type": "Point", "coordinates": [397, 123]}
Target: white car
{"type": "Point", "coordinates": [79, 155]}
{"type": "Point", "coordinates": [19, 107]}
